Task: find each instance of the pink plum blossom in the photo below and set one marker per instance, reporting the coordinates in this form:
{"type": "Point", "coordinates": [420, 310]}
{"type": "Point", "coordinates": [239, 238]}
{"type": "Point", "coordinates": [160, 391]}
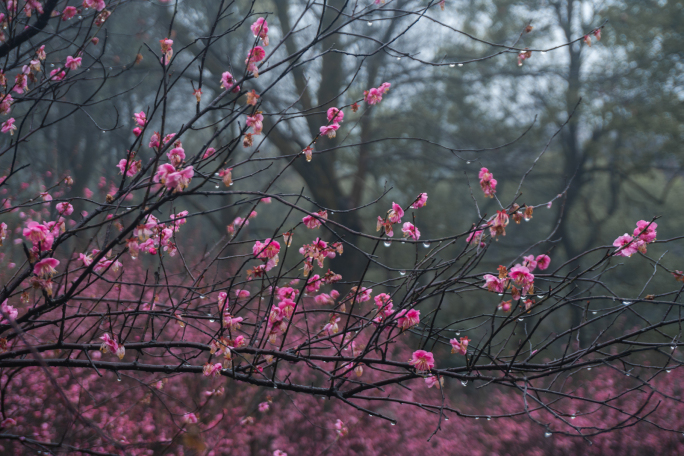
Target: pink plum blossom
{"type": "Point", "coordinates": [8, 126]}
{"type": "Point", "coordinates": [411, 231]}
{"type": "Point", "coordinates": [543, 261]}
{"type": "Point", "coordinates": [335, 115]}
{"type": "Point", "coordinates": [422, 360]}
{"type": "Point", "coordinates": [420, 201]}
{"type": "Point", "coordinates": [459, 346]}
{"type": "Point", "coordinates": [73, 63]}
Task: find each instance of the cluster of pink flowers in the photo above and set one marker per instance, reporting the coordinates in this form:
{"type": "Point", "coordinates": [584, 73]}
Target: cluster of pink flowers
{"type": "Point", "coordinates": [129, 166]}
{"type": "Point", "coordinates": [267, 251]}
{"type": "Point", "coordinates": [374, 96]}
{"type": "Point", "coordinates": [256, 54]}
{"type": "Point", "coordinates": [459, 345]}
{"type": "Point", "coordinates": [170, 174]}
{"type": "Point", "coordinates": [643, 234]}
{"type": "Point", "coordinates": [256, 122]}
{"type": "Point", "coordinates": [487, 183]}
{"type": "Point", "coordinates": [315, 221]}
{"type": "Point", "coordinates": [520, 274]}
{"type": "Point", "coordinates": [151, 235]}
{"type": "Point", "coordinates": [318, 251]}
{"type": "Point", "coordinates": [394, 215]}
{"type": "Point", "coordinates": [110, 345]}
{"type": "Point", "coordinates": [260, 29]}
{"type": "Point", "coordinates": [42, 235]}
{"type": "Point", "coordinates": [596, 33]}
{"type": "Point", "coordinates": [335, 117]}
{"type": "Point", "coordinates": [385, 305]}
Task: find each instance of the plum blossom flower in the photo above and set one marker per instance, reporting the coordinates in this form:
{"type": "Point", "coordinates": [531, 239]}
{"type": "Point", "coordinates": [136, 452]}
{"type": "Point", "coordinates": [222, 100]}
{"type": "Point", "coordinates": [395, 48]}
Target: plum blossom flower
{"type": "Point", "coordinates": [69, 12]}
{"type": "Point", "coordinates": [263, 407]}
{"type": "Point", "coordinates": [422, 360]}
{"type": "Point", "coordinates": [140, 118]}
{"type": "Point", "coordinates": [330, 130]}
{"type": "Point", "coordinates": [179, 180]}
{"type": "Point", "coordinates": [543, 261]}
{"type": "Point", "coordinates": [459, 346]}
{"type": "Point", "coordinates": [167, 50]}
{"type": "Point", "coordinates": [226, 176]}
{"type": "Point", "coordinates": [420, 201]}
{"type": "Point", "coordinates": [73, 63]}
{"type": "Point", "coordinates": [340, 428]}
{"type": "Point", "coordinates": [254, 55]}
{"type": "Point", "coordinates": [411, 231]}
{"type": "Point", "coordinates": [8, 126]}
{"type": "Point", "coordinates": [335, 115]}
{"type": "Point", "coordinates": [99, 5]}
{"type": "Point", "coordinates": [57, 74]}
{"type": "Point", "coordinates": [498, 223]}
{"type": "Point", "coordinates": [190, 418]}
{"type": "Point", "coordinates": [332, 326]}
{"type": "Point", "coordinates": [646, 231]}
{"type": "Point", "coordinates": [495, 284]}
{"type": "Point", "coordinates": [626, 244]}
{"type": "Point", "coordinates": [242, 294]}
{"type": "Point", "coordinates": [176, 155]}
{"type": "Point", "coordinates": [279, 453]}
{"type": "Point", "coordinates": [362, 295]}
{"type": "Point", "coordinates": [212, 369]}
{"type": "Point", "coordinates": [227, 80]}
{"type": "Point", "coordinates": [475, 237]}
{"type": "Point", "coordinates": [487, 183]}
{"type": "Point", "coordinates": [65, 208]}
{"type": "Point", "coordinates": [46, 268]}
{"type": "Point", "coordinates": [131, 167]}
{"type": "Point", "coordinates": [520, 274]}
{"type": "Point", "coordinates": [395, 214]}
{"type": "Point", "coordinates": [312, 222]}
{"type": "Point", "coordinates": [252, 97]}
{"type": "Point", "coordinates": [208, 153]}
{"type": "Point", "coordinates": [260, 29]}
{"type": "Point", "coordinates": [8, 310]}
{"type": "Point", "coordinates": [111, 345]}
{"type": "Point", "coordinates": [267, 249]}
{"type": "Point", "coordinates": [256, 122]}
{"type": "Point", "coordinates": [529, 262]}
{"type": "Point", "coordinates": [408, 319]}
{"type": "Point", "coordinates": [433, 380]}
{"type": "Point", "coordinates": [505, 306]}
{"type": "Point", "coordinates": [374, 96]}
{"type": "Point", "coordinates": [313, 284]}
